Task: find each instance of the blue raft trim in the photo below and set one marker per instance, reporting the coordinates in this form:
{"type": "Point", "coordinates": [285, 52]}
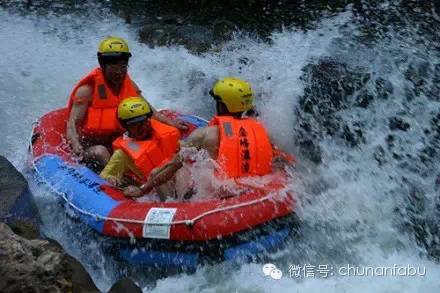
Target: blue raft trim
{"type": "Point", "coordinates": [197, 121]}
{"type": "Point", "coordinates": [240, 253]}
{"type": "Point", "coordinates": [80, 185]}
{"type": "Point", "coordinates": [261, 244]}
{"type": "Point", "coordinates": [160, 258]}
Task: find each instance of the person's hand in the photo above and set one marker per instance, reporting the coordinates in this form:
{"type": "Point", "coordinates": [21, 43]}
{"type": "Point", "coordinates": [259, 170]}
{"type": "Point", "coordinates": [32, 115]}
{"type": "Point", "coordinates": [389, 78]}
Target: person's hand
{"type": "Point", "coordinates": [114, 181]}
{"type": "Point", "coordinates": [78, 149]}
{"type": "Point", "coordinates": [180, 124]}
{"type": "Point", "coordinates": [224, 192]}
{"type": "Point", "coordinates": [133, 191]}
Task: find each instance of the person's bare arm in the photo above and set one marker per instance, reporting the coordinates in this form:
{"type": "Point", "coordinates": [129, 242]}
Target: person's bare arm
{"type": "Point", "coordinates": [79, 109]}
{"type": "Point", "coordinates": [196, 139]}
{"type": "Point", "coordinates": [163, 174]}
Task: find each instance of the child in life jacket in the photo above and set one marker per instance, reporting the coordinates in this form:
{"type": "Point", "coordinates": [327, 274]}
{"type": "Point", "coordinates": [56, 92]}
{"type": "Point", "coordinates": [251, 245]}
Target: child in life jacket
{"type": "Point", "coordinates": [147, 144]}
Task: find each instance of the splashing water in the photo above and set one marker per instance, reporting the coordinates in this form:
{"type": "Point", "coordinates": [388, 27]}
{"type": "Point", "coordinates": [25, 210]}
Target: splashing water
{"type": "Point", "coordinates": [352, 206]}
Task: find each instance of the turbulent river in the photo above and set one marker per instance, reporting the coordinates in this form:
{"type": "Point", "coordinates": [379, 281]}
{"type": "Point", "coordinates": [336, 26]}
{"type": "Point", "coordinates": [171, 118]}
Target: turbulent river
{"type": "Point", "coordinates": [370, 200]}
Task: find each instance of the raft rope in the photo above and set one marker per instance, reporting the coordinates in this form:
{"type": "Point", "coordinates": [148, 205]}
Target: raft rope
{"type": "Point", "coordinates": [188, 222]}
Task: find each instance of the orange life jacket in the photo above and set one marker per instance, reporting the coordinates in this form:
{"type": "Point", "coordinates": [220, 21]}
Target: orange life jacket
{"type": "Point", "coordinates": [244, 147]}
{"type": "Point", "coordinates": [152, 153]}
{"type": "Point", "coordinates": [101, 117]}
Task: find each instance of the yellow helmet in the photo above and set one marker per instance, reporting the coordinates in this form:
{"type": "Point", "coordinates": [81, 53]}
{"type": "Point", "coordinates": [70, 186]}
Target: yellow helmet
{"type": "Point", "coordinates": [134, 109]}
{"type": "Point", "coordinates": [113, 46]}
{"type": "Point", "coordinates": [235, 93]}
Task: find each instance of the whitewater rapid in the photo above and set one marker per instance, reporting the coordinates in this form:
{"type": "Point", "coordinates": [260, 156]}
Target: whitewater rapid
{"type": "Point", "coordinates": [347, 204]}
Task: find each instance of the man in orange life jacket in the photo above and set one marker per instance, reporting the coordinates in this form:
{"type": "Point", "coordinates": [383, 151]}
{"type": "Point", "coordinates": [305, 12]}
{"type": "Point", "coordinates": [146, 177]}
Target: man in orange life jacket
{"type": "Point", "coordinates": [92, 121]}
{"type": "Point", "coordinates": [147, 144]}
{"type": "Point", "coordinates": [240, 145]}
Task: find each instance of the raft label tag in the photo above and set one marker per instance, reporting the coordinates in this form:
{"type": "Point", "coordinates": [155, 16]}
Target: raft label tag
{"type": "Point", "coordinates": [158, 215]}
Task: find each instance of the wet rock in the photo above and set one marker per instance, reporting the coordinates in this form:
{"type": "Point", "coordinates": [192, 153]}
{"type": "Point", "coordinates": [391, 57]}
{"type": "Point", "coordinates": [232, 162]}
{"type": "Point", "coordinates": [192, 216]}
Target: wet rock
{"type": "Point", "coordinates": [17, 206]}
{"type": "Point", "coordinates": [331, 87]}
{"type": "Point", "coordinates": [379, 155]}
{"type": "Point", "coordinates": [125, 285]}
{"type": "Point", "coordinates": [436, 7]}
{"type": "Point", "coordinates": [310, 149]}
{"type": "Point", "coordinates": [27, 263]}
{"type": "Point", "coordinates": [364, 99]}
{"type": "Point", "coordinates": [397, 123]}
{"type": "Point", "coordinates": [193, 37]}
{"type": "Point", "coordinates": [353, 135]}
{"type": "Point", "coordinates": [419, 71]}
{"type": "Point", "coordinates": [38, 266]}
{"type": "Point", "coordinates": [429, 151]}
{"type": "Point", "coordinates": [157, 34]}
{"type": "Point", "coordinates": [384, 88]}
{"type": "Point", "coordinates": [423, 78]}
{"type": "Point", "coordinates": [423, 221]}
{"type": "Point", "coordinates": [435, 124]}
{"type": "Point", "coordinates": [222, 30]}
{"type": "Point", "coordinates": [390, 140]}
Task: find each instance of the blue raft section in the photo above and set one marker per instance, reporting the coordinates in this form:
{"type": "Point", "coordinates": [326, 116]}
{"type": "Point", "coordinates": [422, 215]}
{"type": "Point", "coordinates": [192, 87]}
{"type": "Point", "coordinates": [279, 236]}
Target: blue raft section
{"type": "Point", "coordinates": [241, 253]}
{"type": "Point", "coordinates": [80, 187]}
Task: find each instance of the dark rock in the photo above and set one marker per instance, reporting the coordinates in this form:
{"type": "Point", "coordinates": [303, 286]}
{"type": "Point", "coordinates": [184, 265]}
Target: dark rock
{"type": "Point", "coordinates": [423, 221]}
{"type": "Point", "coordinates": [423, 79]}
{"type": "Point", "coordinates": [397, 156]}
{"type": "Point", "coordinates": [193, 37]}
{"type": "Point", "coordinates": [429, 151]}
{"type": "Point", "coordinates": [331, 85]}
{"type": "Point", "coordinates": [157, 34]}
{"type": "Point", "coordinates": [397, 123]}
{"type": "Point", "coordinates": [309, 149]}
{"type": "Point", "coordinates": [353, 135]}
{"type": "Point", "coordinates": [38, 266]}
{"type": "Point", "coordinates": [364, 99]}
{"type": "Point", "coordinates": [379, 155]}
{"type": "Point", "coordinates": [172, 19]}
{"type": "Point", "coordinates": [224, 17]}
{"type": "Point", "coordinates": [125, 285]}
{"type": "Point", "coordinates": [419, 71]}
{"type": "Point", "coordinates": [27, 263]}
{"type": "Point", "coordinates": [437, 7]}
{"type": "Point", "coordinates": [222, 30]}
{"type": "Point", "coordinates": [24, 228]}
{"type": "Point", "coordinates": [435, 123]}
{"type": "Point", "coordinates": [390, 139]}
{"type": "Point", "coordinates": [384, 88]}
{"type": "Point", "coordinates": [17, 206]}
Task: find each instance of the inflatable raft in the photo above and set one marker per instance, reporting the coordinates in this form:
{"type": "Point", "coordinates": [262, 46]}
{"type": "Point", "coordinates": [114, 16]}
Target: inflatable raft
{"type": "Point", "coordinates": [183, 233]}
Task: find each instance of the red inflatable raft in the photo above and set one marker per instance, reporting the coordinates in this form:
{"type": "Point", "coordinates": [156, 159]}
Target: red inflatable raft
{"type": "Point", "coordinates": [110, 213]}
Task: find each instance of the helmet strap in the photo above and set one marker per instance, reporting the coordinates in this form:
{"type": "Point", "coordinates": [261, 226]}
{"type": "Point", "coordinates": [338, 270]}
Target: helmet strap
{"type": "Point", "coordinates": [222, 110]}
